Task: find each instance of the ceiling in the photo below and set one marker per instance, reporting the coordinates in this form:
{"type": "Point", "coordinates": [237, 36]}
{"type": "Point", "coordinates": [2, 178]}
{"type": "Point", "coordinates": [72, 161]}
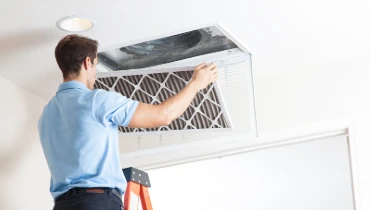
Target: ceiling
{"type": "Point", "coordinates": [282, 35]}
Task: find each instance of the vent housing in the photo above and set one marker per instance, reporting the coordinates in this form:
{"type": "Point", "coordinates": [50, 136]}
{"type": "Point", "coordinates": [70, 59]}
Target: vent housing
{"type": "Point", "coordinates": [152, 71]}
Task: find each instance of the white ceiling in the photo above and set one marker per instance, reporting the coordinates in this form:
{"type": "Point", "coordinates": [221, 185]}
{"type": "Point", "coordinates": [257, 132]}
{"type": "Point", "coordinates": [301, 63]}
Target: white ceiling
{"type": "Point", "coordinates": [287, 35]}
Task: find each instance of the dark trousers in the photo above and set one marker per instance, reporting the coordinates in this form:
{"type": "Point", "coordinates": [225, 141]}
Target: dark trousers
{"type": "Point", "coordinates": [97, 199]}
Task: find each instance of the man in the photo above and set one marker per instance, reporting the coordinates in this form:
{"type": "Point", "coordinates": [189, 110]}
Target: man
{"type": "Point", "coordinates": [79, 128]}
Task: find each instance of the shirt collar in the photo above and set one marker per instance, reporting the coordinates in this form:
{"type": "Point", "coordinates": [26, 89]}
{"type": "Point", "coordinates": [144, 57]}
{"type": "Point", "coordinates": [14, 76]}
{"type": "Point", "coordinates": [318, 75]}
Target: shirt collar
{"type": "Point", "coordinates": [72, 85]}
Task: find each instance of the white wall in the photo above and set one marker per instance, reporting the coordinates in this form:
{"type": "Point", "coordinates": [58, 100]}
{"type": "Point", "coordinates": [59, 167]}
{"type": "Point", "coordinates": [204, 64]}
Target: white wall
{"type": "Point", "coordinates": [24, 176]}
{"type": "Point", "coordinates": [299, 176]}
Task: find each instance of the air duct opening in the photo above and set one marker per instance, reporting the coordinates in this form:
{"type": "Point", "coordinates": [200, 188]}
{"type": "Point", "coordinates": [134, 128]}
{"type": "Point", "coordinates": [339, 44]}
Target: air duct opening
{"type": "Point", "coordinates": [165, 46]}
{"type": "Point", "coordinates": [166, 50]}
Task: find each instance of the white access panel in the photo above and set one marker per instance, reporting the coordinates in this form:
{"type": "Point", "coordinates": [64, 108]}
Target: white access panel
{"type": "Point", "coordinates": [235, 83]}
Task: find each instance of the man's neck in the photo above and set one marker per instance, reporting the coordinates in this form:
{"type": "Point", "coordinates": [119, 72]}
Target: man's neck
{"type": "Point", "coordinates": [78, 79]}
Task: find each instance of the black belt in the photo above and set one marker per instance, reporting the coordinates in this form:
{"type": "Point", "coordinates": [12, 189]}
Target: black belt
{"type": "Point", "coordinates": [92, 190]}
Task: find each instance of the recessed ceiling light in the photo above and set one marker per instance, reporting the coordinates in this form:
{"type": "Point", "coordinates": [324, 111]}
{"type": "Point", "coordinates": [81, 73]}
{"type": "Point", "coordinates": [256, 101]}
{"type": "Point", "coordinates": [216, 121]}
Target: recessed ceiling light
{"type": "Point", "coordinates": [75, 23]}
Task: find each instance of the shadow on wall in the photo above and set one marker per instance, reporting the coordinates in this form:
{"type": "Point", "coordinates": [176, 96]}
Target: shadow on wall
{"type": "Point", "coordinates": [50, 81]}
{"type": "Point", "coordinates": [20, 112]}
{"type": "Point", "coordinates": [18, 105]}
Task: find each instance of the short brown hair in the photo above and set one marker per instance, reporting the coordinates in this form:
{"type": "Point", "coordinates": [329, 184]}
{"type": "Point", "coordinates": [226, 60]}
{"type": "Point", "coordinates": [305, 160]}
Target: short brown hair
{"type": "Point", "coordinates": [72, 50]}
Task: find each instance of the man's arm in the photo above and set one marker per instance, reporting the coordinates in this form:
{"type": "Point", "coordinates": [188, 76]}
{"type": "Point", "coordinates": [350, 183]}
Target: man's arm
{"type": "Point", "coordinates": [148, 116]}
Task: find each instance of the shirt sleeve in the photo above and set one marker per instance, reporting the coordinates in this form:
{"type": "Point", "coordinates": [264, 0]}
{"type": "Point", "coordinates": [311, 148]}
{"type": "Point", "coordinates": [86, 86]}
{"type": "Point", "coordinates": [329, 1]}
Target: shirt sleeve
{"type": "Point", "coordinates": [113, 108]}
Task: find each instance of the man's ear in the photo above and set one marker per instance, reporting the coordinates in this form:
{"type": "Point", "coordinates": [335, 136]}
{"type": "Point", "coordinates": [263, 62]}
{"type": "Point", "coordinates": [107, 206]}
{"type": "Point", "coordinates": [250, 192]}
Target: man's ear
{"type": "Point", "coordinates": [87, 62]}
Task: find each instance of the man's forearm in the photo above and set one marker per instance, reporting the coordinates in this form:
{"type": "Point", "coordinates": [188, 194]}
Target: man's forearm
{"type": "Point", "coordinates": [150, 116]}
{"type": "Point", "coordinates": [176, 105]}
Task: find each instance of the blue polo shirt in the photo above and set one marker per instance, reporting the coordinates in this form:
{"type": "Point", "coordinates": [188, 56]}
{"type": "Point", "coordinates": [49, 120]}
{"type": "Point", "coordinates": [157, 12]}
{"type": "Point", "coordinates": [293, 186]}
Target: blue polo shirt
{"type": "Point", "coordinates": [79, 135]}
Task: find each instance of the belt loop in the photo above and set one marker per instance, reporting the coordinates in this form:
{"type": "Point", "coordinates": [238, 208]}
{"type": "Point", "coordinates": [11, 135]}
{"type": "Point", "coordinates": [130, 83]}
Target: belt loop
{"type": "Point", "coordinates": [109, 192]}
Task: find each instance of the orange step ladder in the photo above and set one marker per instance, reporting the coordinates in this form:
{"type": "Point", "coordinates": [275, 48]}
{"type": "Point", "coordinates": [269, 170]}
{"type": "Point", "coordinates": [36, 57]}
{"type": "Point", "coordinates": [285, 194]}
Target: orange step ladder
{"type": "Point", "coordinates": [137, 189]}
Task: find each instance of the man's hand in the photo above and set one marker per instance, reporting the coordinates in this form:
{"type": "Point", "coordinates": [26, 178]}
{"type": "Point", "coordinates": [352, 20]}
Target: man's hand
{"type": "Point", "coordinates": [203, 75]}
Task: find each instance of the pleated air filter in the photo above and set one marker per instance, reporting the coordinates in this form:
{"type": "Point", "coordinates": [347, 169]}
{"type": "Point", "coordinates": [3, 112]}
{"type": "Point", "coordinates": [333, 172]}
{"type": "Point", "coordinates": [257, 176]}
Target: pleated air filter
{"type": "Point", "coordinates": [152, 71]}
{"type": "Point", "coordinates": [206, 111]}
